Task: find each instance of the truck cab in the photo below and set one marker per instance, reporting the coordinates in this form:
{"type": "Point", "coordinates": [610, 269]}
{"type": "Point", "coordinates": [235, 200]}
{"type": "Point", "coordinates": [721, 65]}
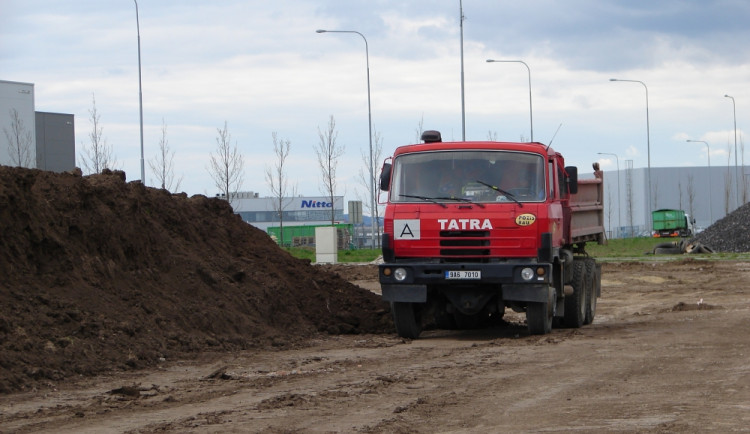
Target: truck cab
{"type": "Point", "coordinates": [474, 227]}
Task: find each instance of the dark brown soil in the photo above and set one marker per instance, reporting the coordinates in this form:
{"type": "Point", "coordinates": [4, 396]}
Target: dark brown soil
{"type": "Point", "coordinates": [97, 274]}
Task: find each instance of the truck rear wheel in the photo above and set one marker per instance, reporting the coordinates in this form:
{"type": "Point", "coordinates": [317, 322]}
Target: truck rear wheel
{"type": "Point", "coordinates": [593, 279]}
{"type": "Point", "coordinates": [576, 303]}
{"type": "Point", "coordinates": [407, 320]}
{"type": "Point", "coordinates": [539, 316]}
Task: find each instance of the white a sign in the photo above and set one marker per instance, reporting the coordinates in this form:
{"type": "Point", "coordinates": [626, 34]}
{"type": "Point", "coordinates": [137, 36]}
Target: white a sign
{"type": "Point", "coordinates": [406, 229]}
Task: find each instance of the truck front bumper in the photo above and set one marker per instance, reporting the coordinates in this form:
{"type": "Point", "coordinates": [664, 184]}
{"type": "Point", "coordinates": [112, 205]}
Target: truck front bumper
{"type": "Point", "coordinates": [516, 281]}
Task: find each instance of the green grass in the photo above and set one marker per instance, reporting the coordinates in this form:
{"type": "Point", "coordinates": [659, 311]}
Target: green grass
{"type": "Point", "coordinates": [626, 247]}
{"type": "Point", "coordinates": [618, 249]}
{"type": "Point", "coordinates": [358, 255]}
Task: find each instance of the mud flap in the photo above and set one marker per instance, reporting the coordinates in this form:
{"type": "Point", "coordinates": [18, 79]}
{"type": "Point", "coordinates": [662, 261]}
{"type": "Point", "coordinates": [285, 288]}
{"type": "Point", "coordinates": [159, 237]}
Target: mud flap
{"type": "Point", "coordinates": [404, 293]}
{"type": "Point", "coordinates": [523, 292]}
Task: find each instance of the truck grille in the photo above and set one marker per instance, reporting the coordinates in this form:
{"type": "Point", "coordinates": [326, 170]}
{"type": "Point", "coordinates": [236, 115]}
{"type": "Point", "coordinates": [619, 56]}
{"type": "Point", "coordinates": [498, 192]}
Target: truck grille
{"type": "Point", "coordinates": [464, 243]}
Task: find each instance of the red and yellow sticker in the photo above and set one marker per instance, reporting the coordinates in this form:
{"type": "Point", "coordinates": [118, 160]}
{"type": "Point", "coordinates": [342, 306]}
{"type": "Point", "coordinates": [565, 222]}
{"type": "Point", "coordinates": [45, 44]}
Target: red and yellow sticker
{"type": "Point", "coordinates": [525, 219]}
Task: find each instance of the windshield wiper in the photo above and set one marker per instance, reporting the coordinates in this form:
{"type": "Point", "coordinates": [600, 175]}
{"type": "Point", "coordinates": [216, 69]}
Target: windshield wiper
{"type": "Point", "coordinates": [462, 199]}
{"type": "Point", "coordinates": [428, 199]}
{"type": "Point", "coordinates": [501, 191]}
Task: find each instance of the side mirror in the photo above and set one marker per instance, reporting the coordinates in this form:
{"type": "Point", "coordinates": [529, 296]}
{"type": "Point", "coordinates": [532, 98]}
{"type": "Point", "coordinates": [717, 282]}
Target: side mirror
{"type": "Point", "coordinates": [572, 179]}
{"type": "Point", "coordinates": [385, 177]}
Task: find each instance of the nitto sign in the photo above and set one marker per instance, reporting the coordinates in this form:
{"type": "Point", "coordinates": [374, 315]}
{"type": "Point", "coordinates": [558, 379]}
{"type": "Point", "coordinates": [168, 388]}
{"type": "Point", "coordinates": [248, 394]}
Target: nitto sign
{"type": "Point", "coordinates": [316, 204]}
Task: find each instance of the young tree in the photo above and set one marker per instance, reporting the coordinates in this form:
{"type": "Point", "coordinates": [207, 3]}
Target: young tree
{"type": "Point", "coordinates": [278, 182]}
{"type": "Point", "coordinates": [98, 155]}
{"type": "Point", "coordinates": [20, 141]}
{"type": "Point", "coordinates": [728, 182]}
{"type": "Point", "coordinates": [691, 195]}
{"type": "Point", "coordinates": [420, 130]}
{"type": "Point", "coordinates": [364, 179]}
{"type": "Point", "coordinates": [742, 162]}
{"type": "Point", "coordinates": [328, 153]}
{"type": "Point", "coordinates": [162, 165]}
{"type": "Point", "coordinates": [227, 166]}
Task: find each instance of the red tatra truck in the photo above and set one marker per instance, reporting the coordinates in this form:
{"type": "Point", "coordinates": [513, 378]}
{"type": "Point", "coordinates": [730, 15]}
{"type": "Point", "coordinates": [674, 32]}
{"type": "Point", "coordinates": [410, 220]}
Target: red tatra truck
{"type": "Point", "coordinates": [473, 228]}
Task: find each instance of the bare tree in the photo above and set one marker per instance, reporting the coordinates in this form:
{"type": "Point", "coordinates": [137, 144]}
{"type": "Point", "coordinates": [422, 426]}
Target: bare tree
{"type": "Point", "coordinates": [328, 153]}
{"type": "Point", "coordinates": [278, 182]}
{"type": "Point", "coordinates": [365, 181]}
{"type": "Point", "coordinates": [227, 166]}
{"type": "Point", "coordinates": [98, 155]}
{"type": "Point", "coordinates": [20, 141]}
{"type": "Point", "coordinates": [691, 195]}
{"type": "Point", "coordinates": [679, 194]}
{"type": "Point", "coordinates": [420, 130]}
{"type": "Point", "coordinates": [655, 194]}
{"type": "Point", "coordinates": [492, 136]}
{"type": "Point", "coordinates": [742, 162]}
{"type": "Point", "coordinates": [728, 181]}
{"type": "Point", "coordinates": [162, 165]}
{"type": "Point", "coordinates": [609, 213]}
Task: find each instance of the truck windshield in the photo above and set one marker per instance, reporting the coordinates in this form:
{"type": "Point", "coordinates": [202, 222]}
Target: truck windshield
{"type": "Point", "coordinates": [478, 176]}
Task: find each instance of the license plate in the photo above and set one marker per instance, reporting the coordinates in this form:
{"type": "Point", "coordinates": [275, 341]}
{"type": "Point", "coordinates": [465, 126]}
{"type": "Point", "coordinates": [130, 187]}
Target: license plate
{"type": "Point", "coordinates": [463, 275]}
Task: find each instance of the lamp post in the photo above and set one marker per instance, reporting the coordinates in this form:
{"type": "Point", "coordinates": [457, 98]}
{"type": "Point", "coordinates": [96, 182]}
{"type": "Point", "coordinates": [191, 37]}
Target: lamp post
{"type": "Point", "coordinates": [736, 173]}
{"type": "Point", "coordinates": [619, 201]}
{"type": "Point", "coordinates": [648, 141]}
{"type": "Point", "coordinates": [531, 115]}
{"type": "Point", "coordinates": [369, 123]}
{"type": "Point", "coordinates": [463, 99]}
{"type": "Point", "coordinates": [140, 89]}
{"type": "Point", "coordinates": [710, 190]}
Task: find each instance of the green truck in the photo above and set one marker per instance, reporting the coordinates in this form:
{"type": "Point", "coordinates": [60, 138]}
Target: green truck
{"type": "Point", "coordinates": [672, 223]}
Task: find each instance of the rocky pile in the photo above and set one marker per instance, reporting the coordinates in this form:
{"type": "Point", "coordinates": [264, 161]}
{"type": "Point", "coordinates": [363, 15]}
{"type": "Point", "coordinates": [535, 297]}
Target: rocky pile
{"type": "Point", "coordinates": [99, 274]}
{"type": "Point", "coordinates": [730, 234]}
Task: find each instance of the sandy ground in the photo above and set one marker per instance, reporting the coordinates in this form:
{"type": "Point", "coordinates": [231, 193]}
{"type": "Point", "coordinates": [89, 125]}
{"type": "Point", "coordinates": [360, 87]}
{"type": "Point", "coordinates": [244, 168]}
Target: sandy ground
{"type": "Point", "coordinates": [667, 352]}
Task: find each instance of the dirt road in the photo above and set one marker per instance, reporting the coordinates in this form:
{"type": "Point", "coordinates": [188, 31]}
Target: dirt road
{"type": "Point", "coordinates": [668, 352]}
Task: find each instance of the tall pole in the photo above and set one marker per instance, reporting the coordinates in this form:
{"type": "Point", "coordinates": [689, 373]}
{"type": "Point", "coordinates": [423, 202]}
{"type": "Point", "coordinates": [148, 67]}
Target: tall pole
{"type": "Point", "coordinates": [710, 190]}
{"type": "Point", "coordinates": [463, 101]}
{"type": "Point", "coordinates": [140, 90]}
{"type": "Point", "coordinates": [736, 173]}
{"type": "Point", "coordinates": [619, 201]}
{"type": "Point", "coordinates": [531, 115]}
{"type": "Point", "coordinates": [648, 143]}
{"type": "Point", "coordinates": [369, 126]}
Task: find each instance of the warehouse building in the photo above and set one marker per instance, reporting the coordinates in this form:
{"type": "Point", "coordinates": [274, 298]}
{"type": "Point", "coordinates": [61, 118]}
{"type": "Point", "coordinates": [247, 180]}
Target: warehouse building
{"type": "Point", "coordinates": [707, 194]}
{"type": "Point", "coordinates": [33, 139]}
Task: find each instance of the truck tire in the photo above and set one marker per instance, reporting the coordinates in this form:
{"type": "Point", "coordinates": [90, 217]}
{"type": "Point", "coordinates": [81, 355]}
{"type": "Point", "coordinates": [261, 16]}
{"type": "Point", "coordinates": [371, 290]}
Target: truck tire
{"type": "Point", "coordinates": [594, 281]}
{"type": "Point", "coordinates": [576, 303]}
{"type": "Point", "coordinates": [539, 316]}
{"type": "Point", "coordinates": [407, 320]}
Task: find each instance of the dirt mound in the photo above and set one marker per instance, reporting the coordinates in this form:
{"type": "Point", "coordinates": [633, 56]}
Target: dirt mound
{"type": "Point", "coordinates": [730, 234]}
{"type": "Point", "coordinates": [99, 274]}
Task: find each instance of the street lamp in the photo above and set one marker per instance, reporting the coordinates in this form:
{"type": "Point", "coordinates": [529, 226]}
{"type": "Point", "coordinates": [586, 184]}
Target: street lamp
{"type": "Point", "coordinates": [369, 120]}
{"type": "Point", "coordinates": [531, 116]}
{"type": "Point", "coordinates": [619, 202]}
{"type": "Point", "coordinates": [648, 141]}
{"type": "Point", "coordinates": [736, 173]}
{"type": "Point", "coordinates": [710, 190]}
{"type": "Point", "coordinates": [140, 90]}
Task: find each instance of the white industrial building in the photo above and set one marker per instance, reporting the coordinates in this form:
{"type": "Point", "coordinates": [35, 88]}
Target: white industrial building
{"type": "Point", "coordinates": [45, 140]}
{"type": "Point", "coordinates": [262, 212]}
{"type": "Point", "coordinates": [707, 194]}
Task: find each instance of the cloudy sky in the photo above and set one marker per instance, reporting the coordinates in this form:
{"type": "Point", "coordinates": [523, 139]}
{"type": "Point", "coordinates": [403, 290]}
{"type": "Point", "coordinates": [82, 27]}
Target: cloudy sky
{"type": "Point", "coordinates": [260, 67]}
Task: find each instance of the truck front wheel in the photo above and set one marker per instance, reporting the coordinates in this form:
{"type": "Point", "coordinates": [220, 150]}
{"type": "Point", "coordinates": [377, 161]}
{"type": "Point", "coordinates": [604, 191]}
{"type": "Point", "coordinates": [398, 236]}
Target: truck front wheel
{"type": "Point", "coordinates": [539, 315]}
{"type": "Point", "coordinates": [407, 319]}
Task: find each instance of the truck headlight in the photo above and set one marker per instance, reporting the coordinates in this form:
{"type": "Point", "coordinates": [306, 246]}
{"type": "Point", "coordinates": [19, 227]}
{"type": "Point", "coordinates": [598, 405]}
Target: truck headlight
{"type": "Point", "coordinates": [527, 274]}
{"type": "Point", "coordinates": [399, 274]}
